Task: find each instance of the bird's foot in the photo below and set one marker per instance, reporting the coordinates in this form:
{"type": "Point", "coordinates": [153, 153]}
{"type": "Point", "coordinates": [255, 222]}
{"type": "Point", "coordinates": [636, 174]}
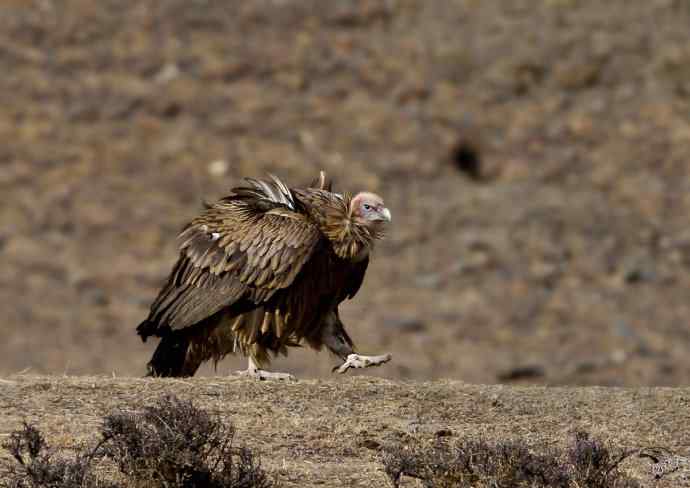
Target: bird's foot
{"type": "Point", "coordinates": [261, 374]}
{"type": "Point", "coordinates": [359, 361]}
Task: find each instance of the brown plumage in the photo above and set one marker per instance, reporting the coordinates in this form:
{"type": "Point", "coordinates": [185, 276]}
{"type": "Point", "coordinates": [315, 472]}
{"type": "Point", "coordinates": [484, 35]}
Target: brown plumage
{"type": "Point", "coordinates": [262, 270]}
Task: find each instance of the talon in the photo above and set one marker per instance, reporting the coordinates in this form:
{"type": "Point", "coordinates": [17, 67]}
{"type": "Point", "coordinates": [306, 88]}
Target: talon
{"type": "Point", "coordinates": [357, 361]}
{"type": "Point", "coordinates": [253, 371]}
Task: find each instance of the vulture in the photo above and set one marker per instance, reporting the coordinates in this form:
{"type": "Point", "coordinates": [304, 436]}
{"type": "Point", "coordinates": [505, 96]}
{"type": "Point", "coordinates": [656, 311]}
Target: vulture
{"type": "Point", "coordinates": [262, 270]}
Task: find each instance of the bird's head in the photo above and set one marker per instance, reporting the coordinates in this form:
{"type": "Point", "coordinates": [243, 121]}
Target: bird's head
{"type": "Point", "coordinates": [367, 209]}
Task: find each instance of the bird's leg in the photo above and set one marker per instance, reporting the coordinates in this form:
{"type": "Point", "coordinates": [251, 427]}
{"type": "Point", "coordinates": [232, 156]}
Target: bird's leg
{"type": "Point", "coordinates": [253, 371]}
{"type": "Point", "coordinates": [339, 343]}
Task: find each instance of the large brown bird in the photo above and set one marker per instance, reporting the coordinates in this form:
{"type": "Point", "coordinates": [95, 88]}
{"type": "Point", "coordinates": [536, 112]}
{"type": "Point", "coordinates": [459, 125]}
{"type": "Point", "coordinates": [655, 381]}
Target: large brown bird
{"type": "Point", "coordinates": [262, 270]}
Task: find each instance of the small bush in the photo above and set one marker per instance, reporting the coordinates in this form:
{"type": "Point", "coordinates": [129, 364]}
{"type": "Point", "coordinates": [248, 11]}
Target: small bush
{"type": "Point", "coordinates": [175, 444]}
{"type": "Point", "coordinates": [479, 464]}
{"type": "Point", "coordinates": [172, 444]}
{"type": "Point", "coordinates": [38, 467]}
{"type": "Point", "coordinates": [594, 465]}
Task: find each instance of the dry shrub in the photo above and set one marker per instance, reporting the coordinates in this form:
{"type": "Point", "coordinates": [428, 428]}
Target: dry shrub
{"type": "Point", "coordinates": [172, 444]}
{"type": "Point", "coordinates": [175, 444]}
{"type": "Point", "coordinates": [586, 463]}
{"type": "Point", "coordinates": [40, 467]}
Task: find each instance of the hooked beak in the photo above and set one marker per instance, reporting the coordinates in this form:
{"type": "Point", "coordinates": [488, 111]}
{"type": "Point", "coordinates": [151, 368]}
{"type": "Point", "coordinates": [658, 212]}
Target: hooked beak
{"type": "Point", "coordinates": [385, 214]}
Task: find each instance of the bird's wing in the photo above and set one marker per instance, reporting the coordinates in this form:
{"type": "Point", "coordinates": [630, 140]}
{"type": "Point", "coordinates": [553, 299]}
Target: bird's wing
{"type": "Point", "coordinates": [240, 251]}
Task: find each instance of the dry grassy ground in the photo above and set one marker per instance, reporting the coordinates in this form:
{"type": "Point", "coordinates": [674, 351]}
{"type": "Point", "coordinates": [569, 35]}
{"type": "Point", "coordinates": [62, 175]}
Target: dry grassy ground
{"type": "Point", "coordinates": [330, 433]}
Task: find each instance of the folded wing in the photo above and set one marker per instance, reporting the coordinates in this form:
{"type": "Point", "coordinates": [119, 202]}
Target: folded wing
{"type": "Point", "coordinates": [240, 252]}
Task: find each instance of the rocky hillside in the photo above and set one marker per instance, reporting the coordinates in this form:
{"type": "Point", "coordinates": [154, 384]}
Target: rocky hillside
{"type": "Point", "coordinates": [534, 156]}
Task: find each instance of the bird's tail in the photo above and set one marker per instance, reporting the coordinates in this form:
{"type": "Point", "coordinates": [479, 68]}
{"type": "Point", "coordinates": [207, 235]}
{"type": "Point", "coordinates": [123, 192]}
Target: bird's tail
{"type": "Point", "coordinates": [170, 357]}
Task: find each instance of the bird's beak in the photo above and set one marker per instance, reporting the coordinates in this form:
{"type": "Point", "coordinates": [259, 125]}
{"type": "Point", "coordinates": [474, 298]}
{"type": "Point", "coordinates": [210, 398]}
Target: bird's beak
{"type": "Point", "coordinates": [386, 214]}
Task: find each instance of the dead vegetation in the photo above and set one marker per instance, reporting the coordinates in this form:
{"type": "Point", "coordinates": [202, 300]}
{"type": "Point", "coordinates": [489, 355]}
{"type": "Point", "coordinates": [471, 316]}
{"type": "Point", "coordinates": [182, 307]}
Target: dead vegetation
{"type": "Point", "coordinates": [175, 444]}
{"type": "Point", "coordinates": [38, 467]}
{"type": "Point", "coordinates": [506, 464]}
{"type": "Point", "coordinates": [348, 432]}
{"type": "Point", "coordinates": [172, 444]}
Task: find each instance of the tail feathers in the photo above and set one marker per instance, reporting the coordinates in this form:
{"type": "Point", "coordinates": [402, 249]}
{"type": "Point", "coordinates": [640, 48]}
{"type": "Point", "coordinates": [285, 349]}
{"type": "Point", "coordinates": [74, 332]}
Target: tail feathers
{"type": "Point", "coordinates": [169, 358]}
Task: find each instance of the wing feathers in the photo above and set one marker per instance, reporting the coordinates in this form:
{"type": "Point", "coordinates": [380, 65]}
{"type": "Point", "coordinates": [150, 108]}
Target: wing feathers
{"type": "Point", "coordinates": [246, 246]}
{"type": "Point", "coordinates": [265, 325]}
{"type": "Point", "coordinates": [274, 191]}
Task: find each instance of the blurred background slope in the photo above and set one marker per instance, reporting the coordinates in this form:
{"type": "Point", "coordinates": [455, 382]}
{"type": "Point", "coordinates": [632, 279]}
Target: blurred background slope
{"type": "Point", "coordinates": [535, 156]}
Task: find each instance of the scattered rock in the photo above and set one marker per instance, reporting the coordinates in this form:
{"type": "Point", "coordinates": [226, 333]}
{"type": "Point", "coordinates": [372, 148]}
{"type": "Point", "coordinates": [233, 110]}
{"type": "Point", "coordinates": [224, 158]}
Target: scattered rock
{"type": "Point", "coordinates": [638, 274]}
{"type": "Point", "coordinates": [466, 157]}
{"type": "Point", "coordinates": [623, 329]}
{"type": "Point", "coordinates": [96, 296]}
{"type": "Point", "coordinates": [522, 373]}
{"type": "Point", "coordinates": [577, 75]}
{"type": "Point", "coordinates": [218, 167]}
{"type": "Point", "coordinates": [495, 401]}
{"type": "Point", "coordinates": [443, 433]}
{"type": "Point", "coordinates": [528, 74]}
{"type": "Point", "coordinates": [171, 110]}
{"type": "Point", "coordinates": [91, 292]}
{"type": "Point", "coordinates": [370, 444]}
{"type": "Point", "coordinates": [618, 356]}
{"type": "Point", "coordinates": [168, 73]}
{"type": "Point", "coordinates": [587, 366]}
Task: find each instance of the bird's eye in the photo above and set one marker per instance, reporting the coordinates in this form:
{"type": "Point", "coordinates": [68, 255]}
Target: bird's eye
{"type": "Point", "coordinates": [367, 206]}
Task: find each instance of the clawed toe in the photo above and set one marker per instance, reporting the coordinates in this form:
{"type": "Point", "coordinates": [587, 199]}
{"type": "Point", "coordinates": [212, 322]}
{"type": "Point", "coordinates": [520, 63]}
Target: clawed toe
{"type": "Point", "coordinates": [357, 361]}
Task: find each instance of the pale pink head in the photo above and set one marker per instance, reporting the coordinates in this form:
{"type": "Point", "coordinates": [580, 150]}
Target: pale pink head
{"type": "Point", "coordinates": [368, 209]}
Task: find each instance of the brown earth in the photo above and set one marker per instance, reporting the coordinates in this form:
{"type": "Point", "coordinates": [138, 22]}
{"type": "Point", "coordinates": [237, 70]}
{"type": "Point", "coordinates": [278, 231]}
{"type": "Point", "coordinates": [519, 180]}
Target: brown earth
{"type": "Point", "coordinates": [332, 433]}
{"type": "Point", "coordinates": [535, 156]}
